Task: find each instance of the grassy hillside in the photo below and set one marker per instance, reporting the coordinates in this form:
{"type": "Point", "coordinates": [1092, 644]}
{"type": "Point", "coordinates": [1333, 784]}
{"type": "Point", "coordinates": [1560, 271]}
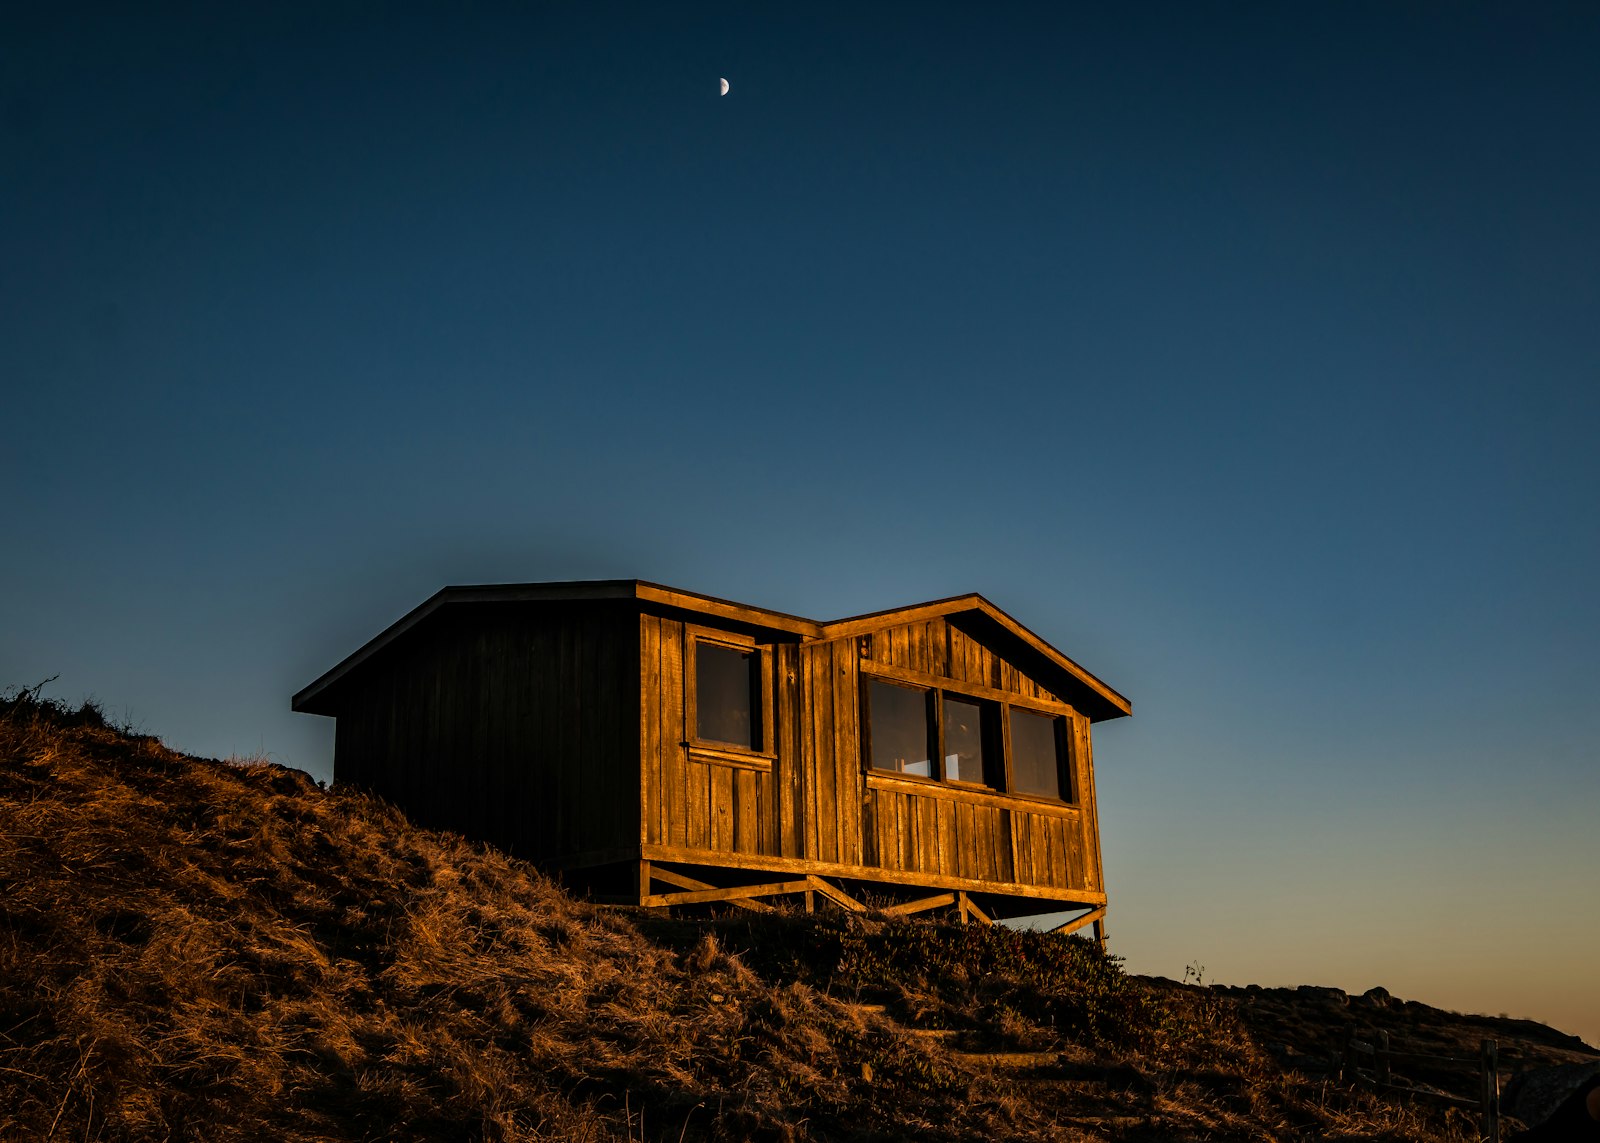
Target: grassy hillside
{"type": "Point", "coordinates": [192, 949]}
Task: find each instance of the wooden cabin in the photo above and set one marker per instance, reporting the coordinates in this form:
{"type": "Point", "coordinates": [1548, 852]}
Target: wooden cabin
{"type": "Point", "coordinates": [658, 747]}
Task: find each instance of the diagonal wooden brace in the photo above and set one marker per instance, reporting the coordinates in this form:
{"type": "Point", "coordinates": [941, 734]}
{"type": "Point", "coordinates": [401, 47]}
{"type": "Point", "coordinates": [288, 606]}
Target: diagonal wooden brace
{"type": "Point", "coordinates": [742, 895]}
{"type": "Point", "coordinates": [837, 896]}
{"type": "Point", "coordinates": [1082, 919]}
{"type": "Point", "coordinates": [921, 904]}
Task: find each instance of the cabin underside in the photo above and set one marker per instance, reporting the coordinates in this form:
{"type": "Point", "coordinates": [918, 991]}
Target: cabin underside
{"type": "Point", "coordinates": [664, 878]}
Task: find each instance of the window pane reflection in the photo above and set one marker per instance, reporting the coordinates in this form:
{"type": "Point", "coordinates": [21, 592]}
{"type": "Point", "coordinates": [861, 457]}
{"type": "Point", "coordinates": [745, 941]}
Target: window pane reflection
{"type": "Point", "coordinates": [898, 720]}
{"type": "Point", "coordinates": [1035, 753]}
{"type": "Point", "coordinates": [963, 740]}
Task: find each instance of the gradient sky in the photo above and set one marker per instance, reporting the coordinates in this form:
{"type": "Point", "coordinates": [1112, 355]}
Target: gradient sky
{"type": "Point", "coordinates": [1247, 353]}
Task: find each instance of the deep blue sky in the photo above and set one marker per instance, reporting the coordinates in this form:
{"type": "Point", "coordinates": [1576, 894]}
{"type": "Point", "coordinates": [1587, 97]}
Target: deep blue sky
{"type": "Point", "coordinates": [1248, 353]}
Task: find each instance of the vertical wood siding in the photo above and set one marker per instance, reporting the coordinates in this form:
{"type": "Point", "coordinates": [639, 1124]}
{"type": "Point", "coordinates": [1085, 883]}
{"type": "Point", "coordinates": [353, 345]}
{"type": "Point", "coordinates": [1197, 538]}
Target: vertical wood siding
{"type": "Point", "coordinates": [515, 726]}
{"type": "Point", "coordinates": [559, 731]}
{"type": "Point", "coordinates": [912, 827]}
{"type": "Point", "coordinates": [937, 648]}
{"type": "Point", "coordinates": [830, 752]}
{"type": "Point", "coordinates": [691, 801]}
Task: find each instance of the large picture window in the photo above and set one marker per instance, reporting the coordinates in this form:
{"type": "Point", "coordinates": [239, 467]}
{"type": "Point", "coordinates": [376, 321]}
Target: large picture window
{"type": "Point", "coordinates": [927, 733]}
{"type": "Point", "coordinates": [933, 733]}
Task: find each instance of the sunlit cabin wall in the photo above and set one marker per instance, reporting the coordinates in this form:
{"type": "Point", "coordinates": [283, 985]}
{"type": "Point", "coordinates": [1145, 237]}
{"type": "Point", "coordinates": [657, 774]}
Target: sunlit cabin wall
{"type": "Point", "coordinates": [511, 724]}
{"type": "Point", "coordinates": [942, 829]}
{"type": "Point", "coordinates": [706, 799]}
{"type": "Point", "coordinates": [812, 798]}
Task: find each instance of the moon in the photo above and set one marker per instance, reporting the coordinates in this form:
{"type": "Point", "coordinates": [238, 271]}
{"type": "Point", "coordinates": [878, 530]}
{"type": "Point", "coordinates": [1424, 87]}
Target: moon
{"type": "Point", "coordinates": [724, 84]}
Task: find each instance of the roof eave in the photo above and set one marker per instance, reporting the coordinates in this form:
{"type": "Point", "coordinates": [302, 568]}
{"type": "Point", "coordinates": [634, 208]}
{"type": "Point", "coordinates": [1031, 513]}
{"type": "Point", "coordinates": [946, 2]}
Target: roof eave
{"type": "Point", "coordinates": [1105, 701]}
{"type": "Point", "coordinates": [309, 700]}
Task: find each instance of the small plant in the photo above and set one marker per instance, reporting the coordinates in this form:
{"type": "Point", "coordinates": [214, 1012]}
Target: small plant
{"type": "Point", "coordinates": [1195, 973]}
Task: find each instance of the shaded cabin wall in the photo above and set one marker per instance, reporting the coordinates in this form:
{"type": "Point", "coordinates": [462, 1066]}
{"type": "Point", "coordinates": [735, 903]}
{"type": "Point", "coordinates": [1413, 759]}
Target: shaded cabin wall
{"type": "Point", "coordinates": [951, 831]}
{"type": "Point", "coordinates": [514, 725]}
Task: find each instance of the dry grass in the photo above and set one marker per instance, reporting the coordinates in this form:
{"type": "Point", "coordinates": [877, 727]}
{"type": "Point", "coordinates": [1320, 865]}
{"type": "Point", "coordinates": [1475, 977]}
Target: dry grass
{"type": "Point", "coordinates": [200, 950]}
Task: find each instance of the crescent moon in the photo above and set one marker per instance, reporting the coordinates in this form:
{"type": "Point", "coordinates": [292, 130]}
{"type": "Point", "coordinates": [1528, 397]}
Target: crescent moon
{"type": "Point", "coordinates": [724, 86]}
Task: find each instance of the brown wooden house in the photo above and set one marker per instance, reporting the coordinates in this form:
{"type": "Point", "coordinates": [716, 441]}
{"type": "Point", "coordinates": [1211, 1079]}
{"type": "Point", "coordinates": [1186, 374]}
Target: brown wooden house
{"type": "Point", "coordinates": [660, 747]}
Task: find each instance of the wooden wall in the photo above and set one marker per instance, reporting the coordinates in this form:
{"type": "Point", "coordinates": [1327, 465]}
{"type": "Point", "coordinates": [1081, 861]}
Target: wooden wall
{"type": "Point", "coordinates": [952, 831]}
{"type": "Point", "coordinates": [830, 752]}
{"type": "Point", "coordinates": [813, 800]}
{"type": "Point", "coordinates": [513, 724]}
{"type": "Point", "coordinates": [694, 799]}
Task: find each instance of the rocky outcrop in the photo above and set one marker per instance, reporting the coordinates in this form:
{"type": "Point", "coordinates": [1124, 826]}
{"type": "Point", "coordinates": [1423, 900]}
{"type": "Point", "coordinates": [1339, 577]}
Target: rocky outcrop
{"type": "Point", "coordinates": [1534, 1096]}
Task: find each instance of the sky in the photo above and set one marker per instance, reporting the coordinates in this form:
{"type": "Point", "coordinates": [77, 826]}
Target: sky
{"type": "Point", "coordinates": [1247, 353]}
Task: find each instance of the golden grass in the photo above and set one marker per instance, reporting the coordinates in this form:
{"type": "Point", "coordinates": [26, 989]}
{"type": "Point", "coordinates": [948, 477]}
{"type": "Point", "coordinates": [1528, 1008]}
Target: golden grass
{"type": "Point", "coordinates": [200, 950]}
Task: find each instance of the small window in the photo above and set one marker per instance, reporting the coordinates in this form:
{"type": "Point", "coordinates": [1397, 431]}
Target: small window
{"type": "Point", "coordinates": [727, 699]}
{"type": "Point", "coordinates": [964, 740]}
{"type": "Point", "coordinates": [1037, 754]}
{"type": "Point", "coordinates": [898, 729]}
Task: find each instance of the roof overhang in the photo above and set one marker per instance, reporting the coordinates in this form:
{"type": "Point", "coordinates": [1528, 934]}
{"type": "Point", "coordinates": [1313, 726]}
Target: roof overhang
{"type": "Point", "coordinates": [984, 621]}
{"type": "Point", "coordinates": [313, 698]}
{"type": "Point", "coordinates": [971, 613]}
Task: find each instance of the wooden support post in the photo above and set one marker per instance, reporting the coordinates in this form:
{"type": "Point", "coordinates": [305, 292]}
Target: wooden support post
{"type": "Point", "coordinates": [1100, 935]}
{"type": "Point", "coordinates": [1380, 1058]}
{"type": "Point", "coordinates": [961, 907]}
{"type": "Point", "coordinates": [973, 910]}
{"type": "Point", "coordinates": [811, 900]}
{"type": "Point", "coordinates": [1491, 1091]}
{"type": "Point", "coordinates": [644, 881]}
{"type": "Point", "coordinates": [837, 896]}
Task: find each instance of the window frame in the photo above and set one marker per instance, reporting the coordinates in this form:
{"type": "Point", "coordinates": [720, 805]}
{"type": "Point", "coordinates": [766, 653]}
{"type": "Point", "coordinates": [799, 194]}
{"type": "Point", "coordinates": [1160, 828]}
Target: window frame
{"type": "Point", "coordinates": [1064, 729]}
{"type": "Point", "coordinates": [1064, 719]}
{"type": "Point", "coordinates": [932, 727]}
{"type": "Point", "coordinates": [763, 754]}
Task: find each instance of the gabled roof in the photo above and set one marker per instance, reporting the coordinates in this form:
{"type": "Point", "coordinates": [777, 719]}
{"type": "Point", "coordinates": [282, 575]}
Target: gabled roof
{"type": "Point", "coordinates": [987, 623]}
{"type": "Point", "coordinates": [983, 619]}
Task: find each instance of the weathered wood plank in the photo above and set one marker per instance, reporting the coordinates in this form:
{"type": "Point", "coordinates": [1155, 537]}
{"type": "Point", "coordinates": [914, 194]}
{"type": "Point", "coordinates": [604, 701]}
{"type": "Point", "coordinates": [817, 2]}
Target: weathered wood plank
{"type": "Point", "coordinates": [921, 905]}
{"type": "Point", "coordinates": [1084, 753]}
{"type": "Point", "coordinates": [847, 759]}
{"type": "Point", "coordinates": [746, 813]}
{"type": "Point", "coordinates": [974, 911]}
{"type": "Point", "coordinates": [834, 894]}
{"type": "Point", "coordinates": [1073, 924]}
{"type": "Point", "coordinates": [713, 859]}
{"type": "Point", "coordinates": [787, 769]}
{"type": "Point", "coordinates": [721, 809]}
{"type": "Point", "coordinates": [674, 756]}
{"type": "Point", "coordinates": [976, 689]}
{"type": "Point", "coordinates": [820, 680]}
{"type": "Point", "coordinates": [731, 895]}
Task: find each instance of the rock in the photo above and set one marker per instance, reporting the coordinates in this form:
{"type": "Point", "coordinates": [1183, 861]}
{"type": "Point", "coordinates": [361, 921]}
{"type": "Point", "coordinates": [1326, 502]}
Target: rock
{"type": "Point", "coordinates": [1377, 997]}
{"type": "Point", "coordinates": [1331, 995]}
{"type": "Point", "coordinates": [1534, 1096]}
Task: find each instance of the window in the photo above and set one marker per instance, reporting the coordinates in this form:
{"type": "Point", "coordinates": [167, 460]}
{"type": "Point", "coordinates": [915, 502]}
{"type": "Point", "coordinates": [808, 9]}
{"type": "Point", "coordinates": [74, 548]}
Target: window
{"type": "Point", "coordinates": [898, 729]}
{"type": "Point", "coordinates": [727, 695]}
{"type": "Point", "coordinates": [906, 726]}
{"type": "Point", "coordinates": [951, 736]}
{"type": "Point", "coordinates": [963, 739]}
{"type": "Point", "coordinates": [1037, 754]}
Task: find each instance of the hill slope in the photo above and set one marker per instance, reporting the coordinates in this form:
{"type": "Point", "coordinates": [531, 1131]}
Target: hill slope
{"type": "Point", "coordinates": [192, 949]}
